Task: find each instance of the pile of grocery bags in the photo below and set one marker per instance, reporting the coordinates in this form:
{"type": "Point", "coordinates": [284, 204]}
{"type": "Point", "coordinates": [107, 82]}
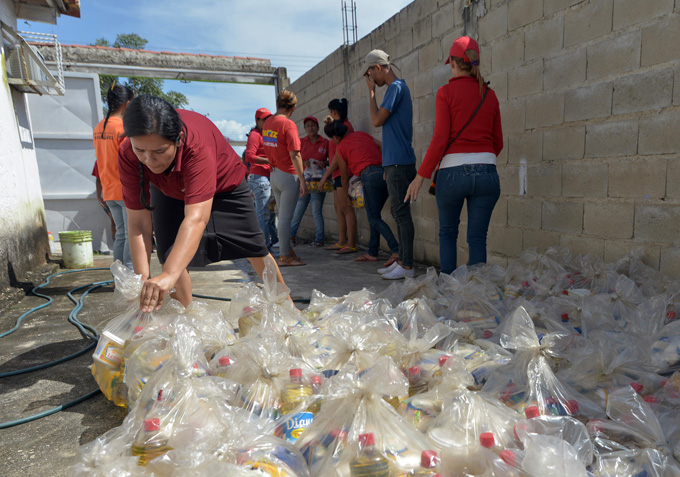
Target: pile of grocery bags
{"type": "Point", "coordinates": [558, 365]}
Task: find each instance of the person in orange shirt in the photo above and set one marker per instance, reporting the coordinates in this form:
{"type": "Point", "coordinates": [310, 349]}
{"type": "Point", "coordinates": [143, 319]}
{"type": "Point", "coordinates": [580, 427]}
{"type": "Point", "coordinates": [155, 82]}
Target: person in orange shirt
{"type": "Point", "coordinates": [107, 136]}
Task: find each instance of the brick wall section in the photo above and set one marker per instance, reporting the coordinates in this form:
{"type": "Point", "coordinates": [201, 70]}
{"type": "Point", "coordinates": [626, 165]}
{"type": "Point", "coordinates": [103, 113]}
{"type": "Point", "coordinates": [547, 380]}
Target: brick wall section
{"type": "Point", "coordinates": [590, 98]}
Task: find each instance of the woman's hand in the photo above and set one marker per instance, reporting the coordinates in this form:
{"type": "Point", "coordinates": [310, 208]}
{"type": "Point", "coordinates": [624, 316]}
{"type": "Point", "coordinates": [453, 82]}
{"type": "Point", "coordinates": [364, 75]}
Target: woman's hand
{"type": "Point", "coordinates": [413, 188]}
{"type": "Point", "coordinates": [154, 292]}
{"type": "Point", "coordinates": [303, 187]}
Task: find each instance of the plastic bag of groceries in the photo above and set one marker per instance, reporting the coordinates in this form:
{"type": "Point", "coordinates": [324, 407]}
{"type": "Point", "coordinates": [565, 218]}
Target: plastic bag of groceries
{"type": "Point", "coordinates": [323, 309]}
{"type": "Point", "coordinates": [213, 328]}
{"type": "Point", "coordinates": [357, 431]}
{"type": "Point", "coordinates": [147, 352]}
{"type": "Point", "coordinates": [424, 287]}
{"type": "Point", "coordinates": [108, 355]}
{"type": "Point", "coordinates": [485, 275]}
{"type": "Point", "coordinates": [356, 192]}
{"type": "Point", "coordinates": [271, 303]}
{"type": "Point", "coordinates": [473, 305]}
{"type": "Point", "coordinates": [632, 442]}
{"type": "Point", "coordinates": [529, 378]}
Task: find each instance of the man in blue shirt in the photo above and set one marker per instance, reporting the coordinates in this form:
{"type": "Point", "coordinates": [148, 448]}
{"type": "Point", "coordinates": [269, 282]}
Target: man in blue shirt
{"type": "Point", "coordinates": [395, 116]}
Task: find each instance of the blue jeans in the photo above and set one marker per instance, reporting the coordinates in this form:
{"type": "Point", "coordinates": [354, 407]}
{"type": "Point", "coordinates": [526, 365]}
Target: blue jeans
{"type": "Point", "coordinates": [398, 179]}
{"type": "Point", "coordinates": [375, 196]}
{"type": "Point", "coordinates": [480, 186]}
{"type": "Point", "coordinates": [317, 199]}
{"type": "Point", "coordinates": [121, 247]}
{"type": "Point", "coordinates": [262, 191]}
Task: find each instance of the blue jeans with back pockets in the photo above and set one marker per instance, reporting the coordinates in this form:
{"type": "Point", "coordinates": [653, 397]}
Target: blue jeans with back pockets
{"type": "Point", "coordinates": [375, 196]}
{"type": "Point", "coordinates": [479, 185]}
{"type": "Point", "coordinates": [317, 199]}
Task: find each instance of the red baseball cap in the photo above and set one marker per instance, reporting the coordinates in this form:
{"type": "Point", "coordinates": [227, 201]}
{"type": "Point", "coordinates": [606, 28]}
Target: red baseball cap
{"type": "Point", "coordinates": [310, 118]}
{"type": "Point", "coordinates": [460, 46]}
{"type": "Point", "coordinates": [262, 113]}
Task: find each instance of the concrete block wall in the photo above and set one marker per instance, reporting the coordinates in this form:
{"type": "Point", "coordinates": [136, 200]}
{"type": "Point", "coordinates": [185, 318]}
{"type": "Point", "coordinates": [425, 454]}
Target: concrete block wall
{"type": "Point", "coordinates": [589, 92]}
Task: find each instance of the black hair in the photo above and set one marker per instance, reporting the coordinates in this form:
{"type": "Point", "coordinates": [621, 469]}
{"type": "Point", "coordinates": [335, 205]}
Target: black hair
{"type": "Point", "coordinates": [336, 128]}
{"type": "Point", "coordinates": [339, 105]}
{"type": "Point", "coordinates": [116, 96]}
{"type": "Point", "coordinates": [151, 115]}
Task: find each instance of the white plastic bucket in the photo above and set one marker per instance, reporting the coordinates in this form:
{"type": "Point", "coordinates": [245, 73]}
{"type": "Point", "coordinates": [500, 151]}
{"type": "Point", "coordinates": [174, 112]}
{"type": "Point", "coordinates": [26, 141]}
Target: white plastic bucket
{"type": "Point", "coordinates": [76, 248]}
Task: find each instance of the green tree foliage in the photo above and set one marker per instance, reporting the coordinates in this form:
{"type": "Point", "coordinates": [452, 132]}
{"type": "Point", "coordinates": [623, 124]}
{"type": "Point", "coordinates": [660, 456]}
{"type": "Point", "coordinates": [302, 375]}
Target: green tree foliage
{"type": "Point", "coordinates": [151, 86]}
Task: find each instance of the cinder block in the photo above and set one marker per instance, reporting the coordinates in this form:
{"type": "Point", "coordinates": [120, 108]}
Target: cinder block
{"type": "Point", "coordinates": [608, 219]}
{"type": "Point", "coordinates": [524, 212]}
{"type": "Point", "coordinates": [642, 177]}
{"type": "Point", "coordinates": [614, 56]}
{"type": "Point", "coordinates": [659, 41]}
{"type": "Point", "coordinates": [442, 19]}
{"type": "Point", "coordinates": [509, 177]}
{"type": "Point", "coordinates": [408, 16]}
{"type": "Point", "coordinates": [544, 180]}
{"type": "Point", "coordinates": [404, 43]}
{"type": "Point", "coordinates": [407, 65]}
{"type": "Point", "coordinates": [500, 212]}
{"type": "Point", "coordinates": [428, 57]}
{"type": "Point", "coordinates": [505, 241]}
{"type": "Point", "coordinates": [523, 12]}
{"type": "Point", "coordinates": [545, 110]}
{"type": "Point", "coordinates": [499, 83]}
{"type": "Point", "coordinates": [422, 84]}
{"type": "Point", "coordinates": [493, 259]}
{"type": "Point", "coordinates": [657, 223]}
{"type": "Point", "coordinates": [615, 250]}
{"type": "Point", "coordinates": [541, 240]}
{"type": "Point", "coordinates": [676, 86]}
{"type": "Point", "coordinates": [507, 52]}
{"type": "Point", "coordinates": [422, 133]}
{"type": "Point", "coordinates": [425, 109]}
{"type": "Point", "coordinates": [513, 116]}
{"type": "Point", "coordinates": [588, 102]}
{"type": "Point", "coordinates": [589, 21]}
{"type": "Point", "coordinates": [659, 134]}
{"type": "Point", "coordinates": [525, 80]}
{"type": "Point", "coordinates": [565, 71]}
{"type": "Point", "coordinates": [612, 138]}
{"type": "Point", "coordinates": [429, 204]}
{"type": "Point", "coordinates": [422, 32]}
{"type": "Point", "coordinates": [583, 245]}
{"type": "Point", "coordinates": [670, 261]}
{"type": "Point", "coordinates": [585, 179]}
{"type": "Point", "coordinates": [493, 25]}
{"type": "Point", "coordinates": [426, 228]}
{"type": "Point", "coordinates": [564, 143]}
{"type": "Point", "coordinates": [440, 76]}
{"type": "Point", "coordinates": [544, 39]}
{"type": "Point", "coordinates": [552, 6]}
{"type": "Point", "coordinates": [564, 217]}
{"type": "Point", "coordinates": [631, 12]}
{"type": "Point", "coordinates": [502, 158]}
{"type": "Point", "coordinates": [673, 179]}
{"type": "Point", "coordinates": [528, 145]}
{"type": "Point", "coordinates": [649, 91]}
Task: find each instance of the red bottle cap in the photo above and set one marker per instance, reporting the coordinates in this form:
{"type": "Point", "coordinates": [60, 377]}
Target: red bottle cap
{"type": "Point", "coordinates": [414, 371]}
{"type": "Point", "coordinates": [195, 365]}
{"type": "Point", "coordinates": [509, 457]}
{"type": "Point", "coordinates": [565, 316]}
{"type": "Point", "coordinates": [316, 379]}
{"type": "Point", "coordinates": [525, 283]}
{"type": "Point", "coordinates": [664, 382]}
{"type": "Point", "coordinates": [571, 406]}
{"type": "Point", "coordinates": [442, 360]}
{"type": "Point", "coordinates": [565, 292]}
{"type": "Point", "coordinates": [637, 386]}
{"type": "Point", "coordinates": [650, 398]}
{"type": "Point", "coordinates": [521, 425]}
{"type": "Point", "coordinates": [487, 334]}
{"type": "Point", "coordinates": [152, 424]}
{"type": "Point", "coordinates": [428, 459]}
{"type": "Point", "coordinates": [225, 361]}
{"type": "Point", "coordinates": [532, 411]}
{"type": "Point", "coordinates": [366, 439]}
{"type": "Point", "coordinates": [137, 329]}
{"type": "Point", "coordinates": [296, 373]}
{"type": "Point", "coordinates": [671, 315]}
{"type": "Point", "coordinates": [486, 439]}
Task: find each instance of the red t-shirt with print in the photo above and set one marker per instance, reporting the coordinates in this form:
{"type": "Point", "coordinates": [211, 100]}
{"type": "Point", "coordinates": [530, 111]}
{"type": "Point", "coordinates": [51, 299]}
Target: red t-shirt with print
{"type": "Point", "coordinates": [317, 150]}
{"type": "Point", "coordinates": [331, 149]}
{"type": "Point", "coordinates": [204, 165]}
{"type": "Point", "coordinates": [280, 136]}
{"type": "Point", "coordinates": [255, 147]}
{"type": "Point", "coordinates": [359, 150]}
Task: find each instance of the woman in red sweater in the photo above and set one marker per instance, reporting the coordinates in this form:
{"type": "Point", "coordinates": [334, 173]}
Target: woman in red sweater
{"type": "Point", "coordinates": [467, 151]}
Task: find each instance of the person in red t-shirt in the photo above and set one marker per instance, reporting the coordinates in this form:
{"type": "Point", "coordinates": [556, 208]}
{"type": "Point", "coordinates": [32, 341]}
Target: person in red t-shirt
{"type": "Point", "coordinates": [202, 209]}
{"type": "Point", "coordinates": [314, 152]}
{"type": "Point", "coordinates": [466, 141]}
{"type": "Point", "coordinates": [259, 170]}
{"type": "Point", "coordinates": [107, 136]}
{"type": "Point", "coordinates": [347, 220]}
{"type": "Point", "coordinates": [282, 147]}
{"type": "Point", "coordinates": [358, 154]}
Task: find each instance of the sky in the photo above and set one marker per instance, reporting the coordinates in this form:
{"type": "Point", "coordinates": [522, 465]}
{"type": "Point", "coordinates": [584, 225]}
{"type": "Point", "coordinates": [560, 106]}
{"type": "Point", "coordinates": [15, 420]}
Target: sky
{"type": "Point", "coordinates": [295, 34]}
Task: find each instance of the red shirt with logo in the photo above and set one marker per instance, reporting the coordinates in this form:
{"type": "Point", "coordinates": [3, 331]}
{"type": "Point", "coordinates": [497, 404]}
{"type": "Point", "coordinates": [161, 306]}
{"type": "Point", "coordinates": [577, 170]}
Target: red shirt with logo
{"type": "Point", "coordinates": [317, 151]}
{"type": "Point", "coordinates": [204, 165]}
{"type": "Point", "coordinates": [331, 149]}
{"type": "Point", "coordinates": [280, 136]}
{"type": "Point", "coordinates": [255, 147]}
{"type": "Point", "coordinates": [359, 150]}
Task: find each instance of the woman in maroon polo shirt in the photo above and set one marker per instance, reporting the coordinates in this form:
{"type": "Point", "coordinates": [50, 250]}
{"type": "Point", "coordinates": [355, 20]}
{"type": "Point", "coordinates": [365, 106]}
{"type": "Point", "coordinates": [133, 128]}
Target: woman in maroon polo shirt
{"type": "Point", "coordinates": [201, 208]}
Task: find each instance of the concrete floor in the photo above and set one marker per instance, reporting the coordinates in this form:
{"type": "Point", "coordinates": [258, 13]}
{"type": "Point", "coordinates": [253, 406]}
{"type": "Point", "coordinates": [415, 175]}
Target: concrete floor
{"type": "Point", "coordinates": [48, 446]}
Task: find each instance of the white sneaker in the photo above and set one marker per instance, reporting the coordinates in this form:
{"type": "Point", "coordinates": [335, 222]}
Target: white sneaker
{"type": "Point", "coordinates": [385, 270]}
{"type": "Point", "coordinates": [399, 273]}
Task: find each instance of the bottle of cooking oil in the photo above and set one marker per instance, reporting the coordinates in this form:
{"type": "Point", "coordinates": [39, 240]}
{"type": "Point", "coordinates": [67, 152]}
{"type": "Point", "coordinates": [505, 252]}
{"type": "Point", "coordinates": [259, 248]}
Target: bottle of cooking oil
{"type": "Point", "coordinates": [297, 391]}
{"type": "Point", "coordinates": [370, 462]}
{"type": "Point", "coordinates": [222, 364]}
{"type": "Point", "coordinates": [150, 442]}
{"type": "Point", "coordinates": [416, 381]}
{"type": "Point", "coordinates": [429, 464]}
